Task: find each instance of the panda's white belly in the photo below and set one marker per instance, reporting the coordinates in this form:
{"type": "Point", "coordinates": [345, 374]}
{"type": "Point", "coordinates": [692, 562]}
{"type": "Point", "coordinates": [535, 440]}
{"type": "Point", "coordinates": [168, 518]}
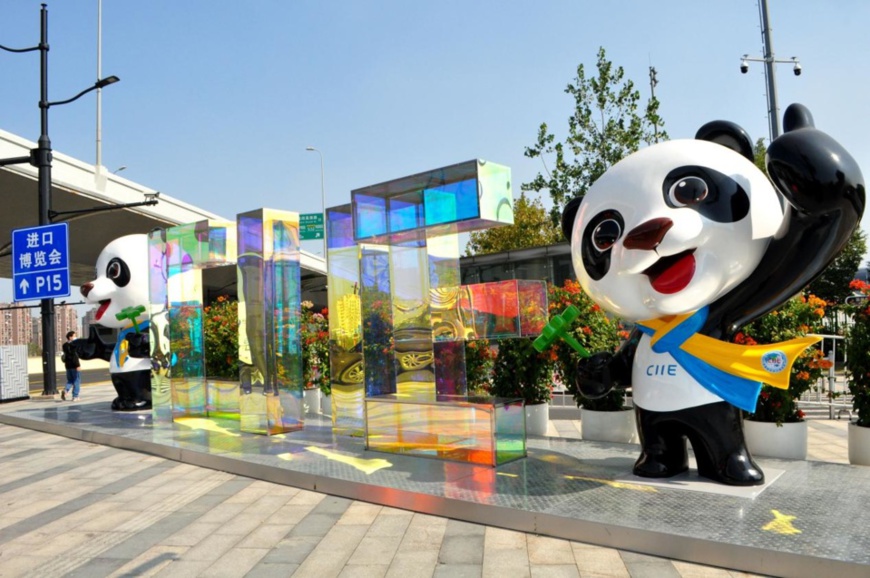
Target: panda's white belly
{"type": "Point", "coordinates": [659, 383]}
{"type": "Point", "coordinates": [127, 364]}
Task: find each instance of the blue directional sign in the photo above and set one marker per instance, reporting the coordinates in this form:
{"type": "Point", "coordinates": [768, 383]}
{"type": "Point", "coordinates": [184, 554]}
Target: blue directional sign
{"type": "Point", "coordinates": [40, 262]}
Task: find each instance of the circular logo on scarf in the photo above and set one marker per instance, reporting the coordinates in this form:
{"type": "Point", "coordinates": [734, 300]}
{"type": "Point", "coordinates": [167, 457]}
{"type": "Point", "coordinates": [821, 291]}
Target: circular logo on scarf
{"type": "Point", "coordinates": [774, 361]}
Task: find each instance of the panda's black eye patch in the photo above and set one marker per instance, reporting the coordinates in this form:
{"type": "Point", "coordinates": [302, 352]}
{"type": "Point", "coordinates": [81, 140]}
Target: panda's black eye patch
{"type": "Point", "coordinates": [714, 195]}
{"type": "Point", "coordinates": [599, 237]}
{"type": "Point", "coordinates": [118, 272]}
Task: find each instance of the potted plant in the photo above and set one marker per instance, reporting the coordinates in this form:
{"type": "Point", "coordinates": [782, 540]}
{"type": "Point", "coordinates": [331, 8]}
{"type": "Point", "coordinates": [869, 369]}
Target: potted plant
{"type": "Point", "coordinates": [858, 367]}
{"type": "Point", "coordinates": [777, 428]}
{"type": "Point", "coordinates": [606, 418]}
{"type": "Point", "coordinates": [314, 336]}
{"type": "Point", "coordinates": [519, 371]}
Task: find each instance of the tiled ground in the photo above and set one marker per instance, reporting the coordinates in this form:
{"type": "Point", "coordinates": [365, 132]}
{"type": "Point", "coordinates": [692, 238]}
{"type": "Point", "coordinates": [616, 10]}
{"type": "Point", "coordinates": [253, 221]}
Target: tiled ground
{"type": "Point", "coordinates": [74, 508]}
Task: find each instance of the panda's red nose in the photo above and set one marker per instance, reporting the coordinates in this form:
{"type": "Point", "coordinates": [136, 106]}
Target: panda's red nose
{"type": "Point", "coordinates": [86, 288]}
{"type": "Point", "coordinates": [648, 235]}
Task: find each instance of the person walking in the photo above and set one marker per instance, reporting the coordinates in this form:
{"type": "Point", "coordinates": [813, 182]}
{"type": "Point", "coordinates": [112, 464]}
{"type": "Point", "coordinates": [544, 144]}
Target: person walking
{"type": "Point", "coordinates": [72, 364]}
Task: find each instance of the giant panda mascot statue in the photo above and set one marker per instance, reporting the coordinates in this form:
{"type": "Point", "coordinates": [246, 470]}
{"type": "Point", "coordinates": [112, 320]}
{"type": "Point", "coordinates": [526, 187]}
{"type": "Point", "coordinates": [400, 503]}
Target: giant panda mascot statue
{"type": "Point", "coordinates": [121, 291]}
{"type": "Point", "coordinates": [689, 240]}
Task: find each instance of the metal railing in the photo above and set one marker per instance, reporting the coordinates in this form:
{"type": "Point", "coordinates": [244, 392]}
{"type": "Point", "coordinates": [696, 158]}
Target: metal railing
{"type": "Point", "coordinates": [831, 391]}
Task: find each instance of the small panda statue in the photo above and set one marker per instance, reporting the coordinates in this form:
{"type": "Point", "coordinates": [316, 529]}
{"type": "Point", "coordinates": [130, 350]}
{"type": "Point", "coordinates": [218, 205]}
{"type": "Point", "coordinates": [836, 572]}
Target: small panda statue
{"type": "Point", "coordinates": [121, 291]}
{"type": "Point", "coordinates": [691, 241]}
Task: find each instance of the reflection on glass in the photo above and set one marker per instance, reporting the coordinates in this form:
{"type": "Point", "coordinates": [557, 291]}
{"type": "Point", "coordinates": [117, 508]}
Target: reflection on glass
{"type": "Point", "coordinates": [161, 399]}
{"type": "Point", "coordinates": [187, 251]}
{"type": "Point", "coordinates": [269, 315]}
{"type": "Point", "coordinates": [345, 324]}
{"type": "Point", "coordinates": [488, 431]}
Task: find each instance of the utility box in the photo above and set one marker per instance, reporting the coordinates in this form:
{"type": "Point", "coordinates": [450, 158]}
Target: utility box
{"type": "Point", "coordinates": [14, 383]}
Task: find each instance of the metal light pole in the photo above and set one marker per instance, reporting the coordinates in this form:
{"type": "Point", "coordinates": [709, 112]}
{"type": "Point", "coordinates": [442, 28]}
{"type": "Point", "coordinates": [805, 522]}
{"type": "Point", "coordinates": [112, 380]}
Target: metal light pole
{"type": "Point", "coordinates": [41, 157]}
{"type": "Point", "coordinates": [43, 165]}
{"type": "Point", "coordinates": [98, 169]}
{"type": "Point", "coordinates": [769, 70]}
{"type": "Point", "coordinates": [322, 198]}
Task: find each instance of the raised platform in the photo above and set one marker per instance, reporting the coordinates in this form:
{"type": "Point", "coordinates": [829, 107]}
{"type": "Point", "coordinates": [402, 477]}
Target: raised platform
{"type": "Point", "coordinates": [809, 520]}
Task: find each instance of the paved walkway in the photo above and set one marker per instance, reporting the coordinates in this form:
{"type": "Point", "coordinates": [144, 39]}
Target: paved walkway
{"type": "Point", "coordinates": [71, 508]}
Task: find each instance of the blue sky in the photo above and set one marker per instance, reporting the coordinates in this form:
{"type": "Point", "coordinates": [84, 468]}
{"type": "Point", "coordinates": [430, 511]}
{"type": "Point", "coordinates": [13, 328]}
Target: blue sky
{"type": "Point", "coordinates": [219, 98]}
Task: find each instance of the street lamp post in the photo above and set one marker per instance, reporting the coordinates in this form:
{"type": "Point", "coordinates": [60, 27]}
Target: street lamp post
{"type": "Point", "coordinates": [769, 70]}
{"type": "Point", "coordinates": [322, 198]}
{"type": "Point", "coordinates": [41, 157]}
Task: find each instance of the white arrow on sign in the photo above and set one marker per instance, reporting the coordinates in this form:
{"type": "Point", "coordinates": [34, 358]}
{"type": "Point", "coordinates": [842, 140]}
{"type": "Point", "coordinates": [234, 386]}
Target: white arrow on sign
{"type": "Point", "coordinates": [24, 285]}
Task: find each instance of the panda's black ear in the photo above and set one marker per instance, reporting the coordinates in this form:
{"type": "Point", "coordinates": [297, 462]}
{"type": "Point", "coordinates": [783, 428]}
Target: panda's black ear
{"type": "Point", "coordinates": [568, 216]}
{"type": "Point", "coordinates": [729, 135]}
{"type": "Point", "coordinates": [797, 116]}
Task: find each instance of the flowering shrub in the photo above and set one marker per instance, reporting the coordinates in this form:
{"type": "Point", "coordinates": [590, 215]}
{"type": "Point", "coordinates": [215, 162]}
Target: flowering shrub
{"type": "Point", "coordinates": [858, 353]}
{"type": "Point", "coordinates": [378, 341]}
{"type": "Point", "coordinates": [479, 360]}
{"type": "Point", "coordinates": [314, 336]}
{"type": "Point", "coordinates": [595, 331]}
{"type": "Point", "coordinates": [221, 328]}
{"type": "Point", "coordinates": [797, 317]}
{"type": "Point", "coordinates": [519, 371]}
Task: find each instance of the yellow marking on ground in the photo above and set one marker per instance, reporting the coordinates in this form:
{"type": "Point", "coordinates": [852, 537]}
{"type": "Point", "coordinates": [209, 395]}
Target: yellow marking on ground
{"type": "Point", "coordinates": [781, 524]}
{"type": "Point", "coordinates": [615, 484]}
{"type": "Point", "coordinates": [506, 474]}
{"type": "Point", "coordinates": [286, 457]}
{"type": "Point", "coordinates": [205, 424]}
{"type": "Point", "coordinates": [368, 467]}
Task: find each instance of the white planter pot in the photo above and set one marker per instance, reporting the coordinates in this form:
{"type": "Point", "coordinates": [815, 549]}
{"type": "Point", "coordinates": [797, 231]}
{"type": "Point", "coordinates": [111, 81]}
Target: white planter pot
{"type": "Point", "coordinates": [311, 401]}
{"type": "Point", "coordinates": [326, 404]}
{"type": "Point", "coordinates": [537, 419]}
{"type": "Point", "coordinates": [608, 426]}
{"type": "Point", "coordinates": [766, 439]}
{"type": "Point", "coordinates": [859, 445]}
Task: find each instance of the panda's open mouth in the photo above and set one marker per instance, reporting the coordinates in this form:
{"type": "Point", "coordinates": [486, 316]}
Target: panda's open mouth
{"type": "Point", "coordinates": [104, 304]}
{"type": "Point", "coordinates": [673, 273]}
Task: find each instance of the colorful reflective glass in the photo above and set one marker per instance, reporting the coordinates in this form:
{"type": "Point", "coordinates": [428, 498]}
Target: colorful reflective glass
{"type": "Point", "coordinates": [270, 352]}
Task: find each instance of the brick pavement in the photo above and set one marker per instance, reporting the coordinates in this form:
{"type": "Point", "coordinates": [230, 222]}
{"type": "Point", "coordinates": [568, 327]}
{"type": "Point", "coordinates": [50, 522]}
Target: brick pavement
{"type": "Point", "coordinates": [71, 508]}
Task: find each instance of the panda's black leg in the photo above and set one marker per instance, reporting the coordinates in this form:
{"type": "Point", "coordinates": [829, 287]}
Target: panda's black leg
{"type": "Point", "coordinates": [664, 453]}
{"type": "Point", "coordinates": [716, 433]}
{"type": "Point", "coordinates": [134, 390]}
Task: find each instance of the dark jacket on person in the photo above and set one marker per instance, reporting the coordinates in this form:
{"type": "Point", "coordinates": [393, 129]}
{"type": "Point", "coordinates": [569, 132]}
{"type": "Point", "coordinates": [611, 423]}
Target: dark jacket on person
{"type": "Point", "coordinates": [70, 356]}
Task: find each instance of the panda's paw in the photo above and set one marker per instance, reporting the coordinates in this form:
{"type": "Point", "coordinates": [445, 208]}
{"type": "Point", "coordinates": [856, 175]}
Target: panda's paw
{"type": "Point", "coordinates": [593, 378]}
{"type": "Point", "coordinates": [740, 470]}
{"type": "Point", "coordinates": [119, 404]}
{"type": "Point", "coordinates": [811, 169]}
{"type": "Point", "coordinates": [650, 465]}
{"type": "Point", "coordinates": [737, 469]}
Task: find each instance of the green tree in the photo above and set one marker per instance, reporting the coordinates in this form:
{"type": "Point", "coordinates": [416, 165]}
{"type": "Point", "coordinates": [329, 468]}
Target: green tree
{"type": "Point", "coordinates": [760, 154]}
{"type": "Point", "coordinates": [531, 228]}
{"type": "Point", "coordinates": [833, 284]}
{"type": "Point", "coordinates": [604, 127]}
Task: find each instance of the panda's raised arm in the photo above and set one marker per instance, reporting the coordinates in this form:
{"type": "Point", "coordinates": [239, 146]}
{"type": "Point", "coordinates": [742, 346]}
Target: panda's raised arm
{"type": "Point", "coordinates": [825, 195]}
{"type": "Point", "coordinates": [93, 347]}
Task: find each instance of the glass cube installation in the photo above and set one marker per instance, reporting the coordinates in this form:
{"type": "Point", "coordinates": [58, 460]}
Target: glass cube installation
{"type": "Point", "coordinates": [187, 251]}
{"type": "Point", "coordinates": [158, 273]}
{"type": "Point", "coordinates": [504, 309]}
{"type": "Point", "coordinates": [464, 197]}
{"type": "Point", "coordinates": [487, 431]}
{"type": "Point", "coordinates": [346, 372]}
{"type": "Point", "coordinates": [269, 321]}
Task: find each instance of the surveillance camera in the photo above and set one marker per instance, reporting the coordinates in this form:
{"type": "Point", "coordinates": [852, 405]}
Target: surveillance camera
{"type": "Point", "coordinates": [744, 67]}
{"type": "Point", "coordinates": [797, 69]}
